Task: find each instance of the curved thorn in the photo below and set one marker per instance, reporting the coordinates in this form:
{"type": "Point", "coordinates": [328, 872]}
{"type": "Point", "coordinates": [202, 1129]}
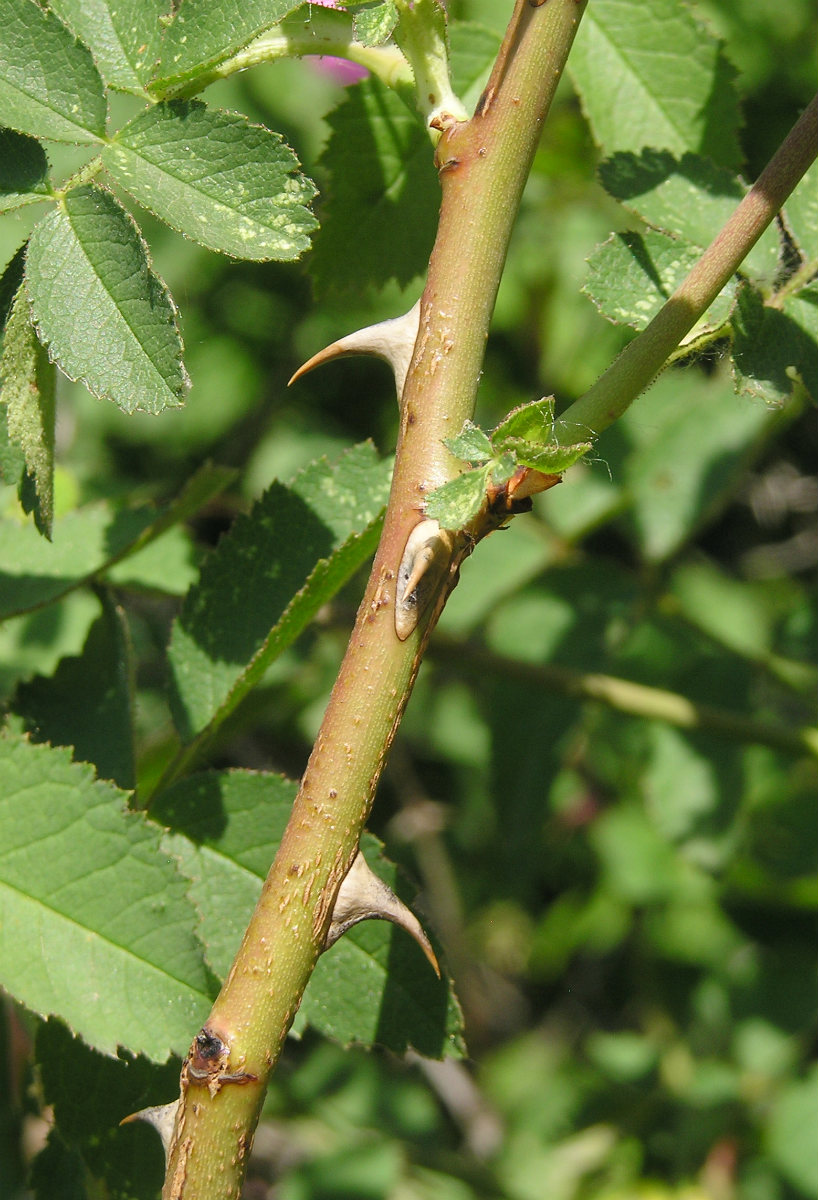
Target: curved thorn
{"type": "Point", "coordinates": [161, 1116]}
{"type": "Point", "coordinates": [393, 341]}
{"type": "Point", "coordinates": [363, 896]}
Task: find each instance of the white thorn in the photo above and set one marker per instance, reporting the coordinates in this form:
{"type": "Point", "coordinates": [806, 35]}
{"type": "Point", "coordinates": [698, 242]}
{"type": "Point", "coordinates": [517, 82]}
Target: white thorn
{"type": "Point", "coordinates": [426, 557]}
{"type": "Point", "coordinates": [363, 896]}
{"type": "Point", "coordinates": [162, 1117]}
{"type": "Point", "coordinates": [393, 341]}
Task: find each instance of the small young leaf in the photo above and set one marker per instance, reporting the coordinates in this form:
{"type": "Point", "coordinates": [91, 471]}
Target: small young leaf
{"type": "Point", "coordinates": [87, 703]}
{"type": "Point", "coordinates": [774, 348]}
{"type": "Point", "coordinates": [275, 567]}
{"type": "Point", "coordinates": [382, 202]}
{"type": "Point", "coordinates": [49, 86]}
{"type": "Point", "coordinates": [502, 468]}
{"type": "Point", "coordinates": [689, 198]}
{"type": "Point", "coordinates": [27, 390]}
{"type": "Point", "coordinates": [651, 75]}
{"type": "Point", "coordinates": [217, 178]}
{"type": "Point", "coordinates": [94, 912]}
{"type": "Point", "coordinates": [122, 341]}
{"type": "Point", "coordinates": [532, 422]}
{"type": "Point", "coordinates": [551, 460]}
{"type": "Point", "coordinates": [455, 503]}
{"type": "Point", "coordinates": [373, 23]}
{"type": "Point", "coordinates": [204, 34]}
{"type": "Point", "coordinates": [123, 38]}
{"type": "Point", "coordinates": [471, 444]}
{"type": "Point", "coordinates": [23, 171]}
{"type": "Point", "coordinates": [631, 275]}
{"type": "Point", "coordinates": [373, 986]}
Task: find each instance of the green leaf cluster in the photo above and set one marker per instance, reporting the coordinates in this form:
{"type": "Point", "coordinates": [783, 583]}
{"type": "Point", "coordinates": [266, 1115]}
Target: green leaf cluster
{"type": "Point", "coordinates": [527, 437]}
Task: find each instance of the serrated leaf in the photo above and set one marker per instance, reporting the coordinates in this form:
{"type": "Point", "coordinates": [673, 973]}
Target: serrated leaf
{"type": "Point", "coordinates": [373, 22]}
{"type": "Point", "coordinates": [227, 827]}
{"type": "Point", "coordinates": [689, 198]}
{"type": "Point", "coordinates": [551, 460]}
{"type": "Point", "coordinates": [773, 348]}
{"type": "Point", "coordinates": [532, 422]}
{"type": "Point", "coordinates": [87, 702]}
{"type": "Point", "coordinates": [632, 275]}
{"type": "Point", "coordinates": [122, 342]}
{"type": "Point", "coordinates": [49, 86]}
{"type": "Point", "coordinates": [275, 567]}
{"type": "Point", "coordinates": [470, 445]}
{"type": "Point", "coordinates": [87, 542]}
{"type": "Point", "coordinates": [217, 178]}
{"type": "Point", "coordinates": [502, 468]}
{"type": "Point", "coordinates": [123, 38]}
{"type": "Point", "coordinates": [651, 75]}
{"type": "Point", "coordinates": [23, 171]}
{"type": "Point", "coordinates": [204, 34]}
{"type": "Point", "coordinates": [380, 214]}
{"type": "Point", "coordinates": [27, 391]}
{"type": "Point", "coordinates": [96, 925]}
{"type": "Point", "coordinates": [458, 501]}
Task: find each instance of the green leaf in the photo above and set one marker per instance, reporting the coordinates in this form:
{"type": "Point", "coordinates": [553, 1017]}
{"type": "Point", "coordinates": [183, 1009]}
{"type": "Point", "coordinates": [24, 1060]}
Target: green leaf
{"type": "Point", "coordinates": [773, 348]}
{"type": "Point", "coordinates": [23, 171]}
{"type": "Point", "coordinates": [790, 1135]}
{"type": "Point", "coordinates": [49, 86]}
{"type": "Point", "coordinates": [10, 282]}
{"type": "Point", "coordinates": [380, 214]}
{"type": "Point", "coordinates": [502, 468]}
{"type": "Point", "coordinates": [689, 439]}
{"type": "Point", "coordinates": [217, 178]}
{"type": "Point", "coordinates": [87, 542]}
{"type": "Point", "coordinates": [651, 75]}
{"type": "Point", "coordinates": [87, 703]}
{"type": "Point", "coordinates": [85, 882]}
{"type": "Point", "coordinates": [373, 22]}
{"type": "Point", "coordinates": [227, 827]}
{"type": "Point", "coordinates": [204, 34]}
{"type": "Point", "coordinates": [689, 198]}
{"type": "Point", "coordinates": [123, 38]}
{"type": "Point", "coordinates": [471, 444]}
{"type": "Point", "coordinates": [631, 275]}
{"type": "Point", "coordinates": [122, 342]}
{"type": "Point", "coordinates": [274, 569]}
{"type": "Point", "coordinates": [90, 1093]}
{"type": "Point", "coordinates": [551, 460]}
{"type": "Point", "coordinates": [455, 503]}
{"type": "Point", "coordinates": [27, 383]}
{"type": "Point", "coordinates": [473, 50]}
{"type": "Point", "coordinates": [532, 422]}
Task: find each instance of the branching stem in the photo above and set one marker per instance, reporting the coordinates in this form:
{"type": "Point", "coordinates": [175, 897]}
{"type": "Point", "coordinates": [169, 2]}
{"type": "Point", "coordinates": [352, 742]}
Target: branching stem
{"type": "Point", "coordinates": [483, 166]}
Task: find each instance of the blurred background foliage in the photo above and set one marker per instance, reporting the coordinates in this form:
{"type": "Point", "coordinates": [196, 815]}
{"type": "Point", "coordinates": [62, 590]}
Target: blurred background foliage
{"type": "Point", "coordinates": [627, 907]}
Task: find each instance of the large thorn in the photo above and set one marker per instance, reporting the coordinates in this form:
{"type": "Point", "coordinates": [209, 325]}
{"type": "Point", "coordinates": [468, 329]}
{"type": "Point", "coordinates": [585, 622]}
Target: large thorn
{"type": "Point", "coordinates": [161, 1116]}
{"type": "Point", "coordinates": [393, 341]}
{"type": "Point", "coordinates": [363, 896]}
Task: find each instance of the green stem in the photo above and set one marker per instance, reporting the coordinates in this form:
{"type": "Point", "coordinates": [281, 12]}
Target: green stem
{"type": "Point", "coordinates": [84, 174]}
{"type": "Point", "coordinates": [483, 165]}
{"type": "Point", "coordinates": [326, 31]}
{"type": "Point", "coordinates": [644, 357]}
{"type": "Point", "coordinates": [637, 699]}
